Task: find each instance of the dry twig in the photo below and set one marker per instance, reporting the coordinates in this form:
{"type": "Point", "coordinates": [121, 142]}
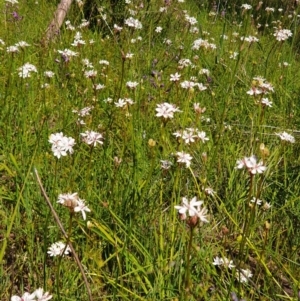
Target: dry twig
{"type": "Point", "coordinates": [57, 220]}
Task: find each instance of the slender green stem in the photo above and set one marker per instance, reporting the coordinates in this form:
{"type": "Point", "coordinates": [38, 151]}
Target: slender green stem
{"type": "Point", "coordinates": [187, 281]}
{"type": "Point", "coordinates": [195, 181]}
{"type": "Point", "coordinates": [62, 255]}
{"type": "Point", "coordinates": [246, 222]}
{"type": "Point", "coordinates": [122, 78]}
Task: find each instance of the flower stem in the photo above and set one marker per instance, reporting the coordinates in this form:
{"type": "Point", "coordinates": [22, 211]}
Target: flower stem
{"type": "Point", "coordinates": [246, 222]}
{"type": "Point", "coordinates": [187, 281]}
{"type": "Point", "coordinates": [62, 254]}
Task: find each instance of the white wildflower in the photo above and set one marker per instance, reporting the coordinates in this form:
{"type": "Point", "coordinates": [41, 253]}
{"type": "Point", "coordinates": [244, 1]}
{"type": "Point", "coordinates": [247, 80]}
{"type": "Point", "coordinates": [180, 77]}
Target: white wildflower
{"type": "Point", "coordinates": [284, 136]}
{"type": "Point", "coordinates": [251, 164]}
{"type": "Point", "coordinates": [166, 110]}
{"type": "Point", "coordinates": [266, 102]}
{"type": "Point", "coordinates": [256, 201]}
{"type": "Point", "coordinates": [246, 6]}
{"type": "Point", "coordinates": [184, 158]}
{"type": "Point", "coordinates": [175, 77]}
{"type": "Point", "coordinates": [134, 23]}
{"type": "Point", "coordinates": [131, 85]}
{"type": "Point", "coordinates": [22, 44]}
{"type": "Point", "coordinates": [282, 34]}
{"type": "Point", "coordinates": [158, 29]}
{"type": "Point", "coordinates": [58, 249]}
{"type": "Point", "coordinates": [49, 74]}
{"type": "Point", "coordinates": [61, 144]}
{"type": "Point", "coordinates": [12, 49]}
{"type": "Point", "coordinates": [92, 138]}
{"type": "Point", "coordinates": [165, 164]}
{"type": "Point", "coordinates": [243, 275]}
{"type": "Point", "coordinates": [25, 70]}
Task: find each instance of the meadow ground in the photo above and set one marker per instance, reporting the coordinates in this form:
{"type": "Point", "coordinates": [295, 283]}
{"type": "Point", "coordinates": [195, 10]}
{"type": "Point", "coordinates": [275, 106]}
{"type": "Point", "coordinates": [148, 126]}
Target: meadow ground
{"type": "Point", "coordinates": [164, 136]}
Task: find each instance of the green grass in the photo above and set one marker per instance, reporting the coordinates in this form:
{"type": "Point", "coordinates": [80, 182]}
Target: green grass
{"type": "Point", "coordinates": [133, 244]}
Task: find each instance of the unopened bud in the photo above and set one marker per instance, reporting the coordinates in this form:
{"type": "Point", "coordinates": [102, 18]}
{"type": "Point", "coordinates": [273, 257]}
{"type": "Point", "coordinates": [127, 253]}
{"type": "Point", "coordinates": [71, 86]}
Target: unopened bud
{"type": "Point", "coordinates": [225, 230]}
{"type": "Point", "coordinates": [239, 238]}
{"type": "Point", "coordinates": [151, 142]}
{"type": "Point", "coordinates": [204, 157]}
{"type": "Point", "coordinates": [264, 150]}
{"type": "Point", "coordinates": [267, 225]}
{"type": "Point", "coordinates": [193, 221]}
{"type": "Point", "coordinates": [90, 224]}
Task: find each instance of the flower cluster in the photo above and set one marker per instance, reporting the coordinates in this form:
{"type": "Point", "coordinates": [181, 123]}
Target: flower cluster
{"type": "Point", "coordinates": [74, 203]}
{"type": "Point", "coordinates": [131, 85]}
{"type": "Point", "coordinates": [243, 275]}
{"type": "Point", "coordinates": [185, 63]}
{"type": "Point", "coordinates": [284, 136]}
{"type": "Point", "coordinates": [49, 74]}
{"type": "Point", "coordinates": [58, 249]}
{"type": "Point", "coordinates": [193, 209]}
{"type": "Point", "coordinates": [90, 73]}
{"type": "Point", "coordinates": [260, 86]}
{"type": "Point", "coordinates": [190, 20]}
{"type": "Point", "coordinates": [78, 40]}
{"type": "Point", "coordinates": [12, 1]}
{"type": "Point", "coordinates": [134, 23]}
{"type": "Point", "coordinates": [246, 6]}
{"type": "Point", "coordinates": [37, 295]}
{"type": "Point", "coordinates": [84, 23]}
{"type": "Point", "coordinates": [166, 110]}
{"type": "Point", "coordinates": [124, 102]}
{"type": "Point", "coordinates": [104, 62]}
{"type": "Point", "coordinates": [191, 84]}
{"type": "Point", "coordinates": [223, 262]}
{"type": "Point", "coordinates": [282, 34]}
{"type": "Point", "coordinates": [69, 26]}
{"type": "Point", "coordinates": [270, 9]}
{"type": "Point", "coordinates": [251, 164]}
{"type": "Point", "coordinates": [257, 202]}
{"type": "Point", "coordinates": [16, 48]}
{"type": "Point", "coordinates": [87, 64]}
{"type": "Point", "coordinates": [25, 70]}
{"type": "Point", "coordinates": [200, 43]}
{"type": "Point", "coordinates": [83, 113]}
{"type": "Point", "coordinates": [67, 54]}
{"type": "Point", "coordinates": [92, 138]}
{"type": "Point", "coordinates": [61, 144]}
{"type": "Point", "coordinates": [184, 158]}
{"type": "Point", "coordinates": [250, 39]}
{"type": "Point", "coordinates": [191, 135]}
